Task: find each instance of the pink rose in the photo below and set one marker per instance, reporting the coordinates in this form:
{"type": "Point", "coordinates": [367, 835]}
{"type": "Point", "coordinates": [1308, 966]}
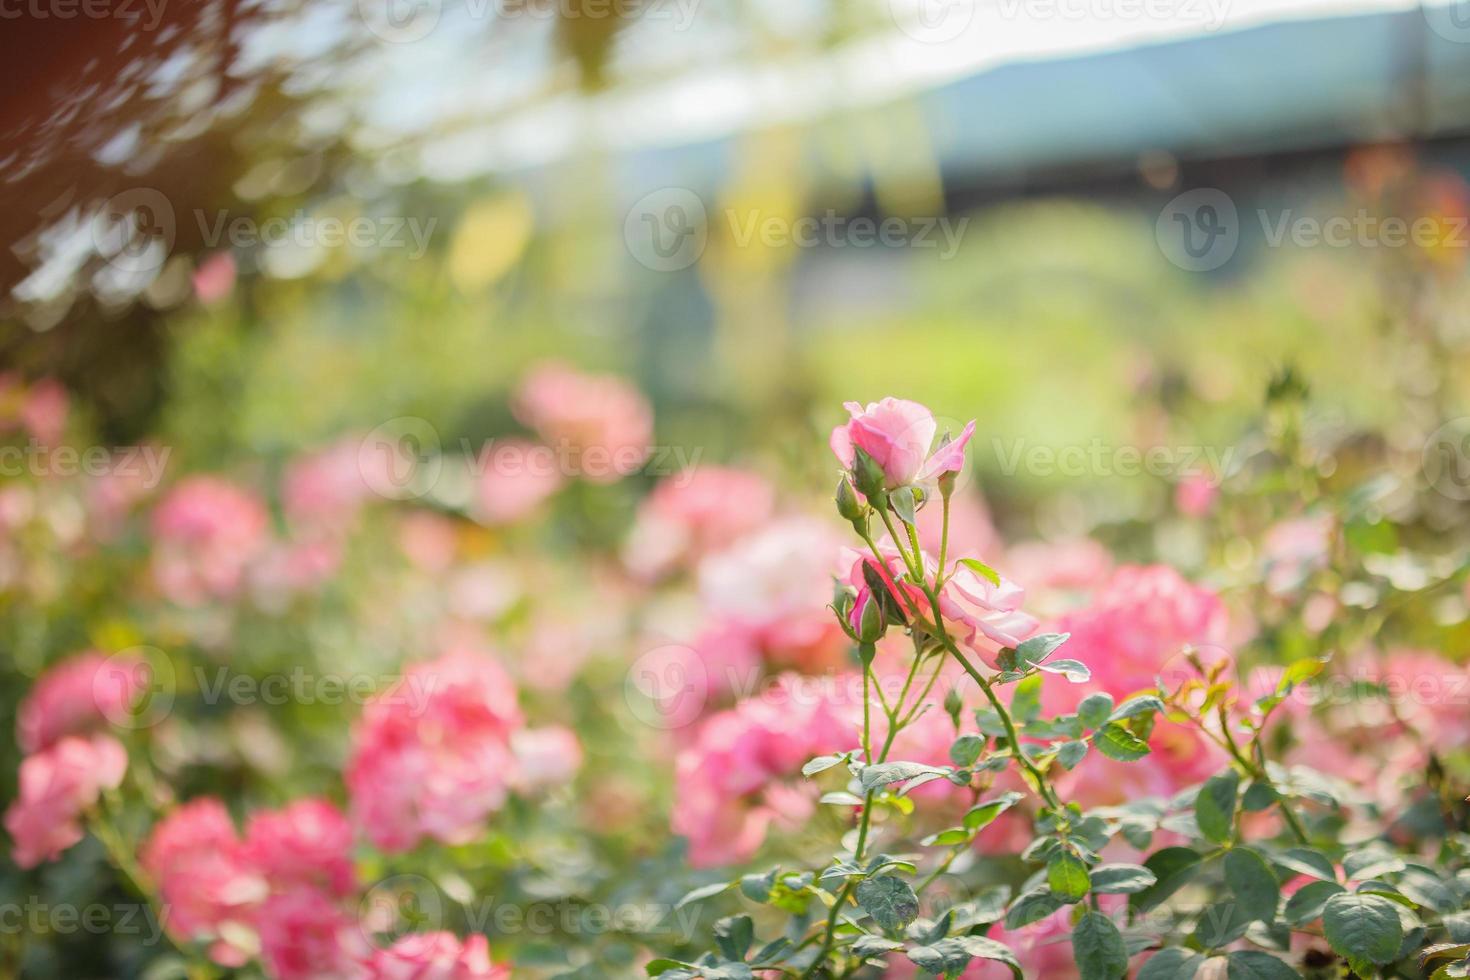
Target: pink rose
{"type": "Point", "coordinates": [696, 513]}
{"type": "Point", "coordinates": [306, 935]}
{"type": "Point", "coordinates": [83, 692]}
{"type": "Point", "coordinates": [432, 755]}
{"type": "Point", "coordinates": [743, 771]}
{"type": "Point", "coordinates": [1195, 495]}
{"type": "Point", "coordinates": [437, 956]}
{"type": "Point", "coordinates": [307, 843]}
{"type": "Point", "coordinates": [206, 532]}
{"type": "Point", "coordinates": [898, 434]}
{"type": "Point", "coordinates": [57, 784]}
{"type": "Point", "coordinates": [204, 877]}
{"type": "Point", "coordinates": [516, 475]}
{"type": "Point", "coordinates": [987, 615]}
{"type": "Point", "coordinates": [604, 418]}
{"type": "Point", "coordinates": [326, 489]}
{"type": "Point", "coordinates": [546, 757]}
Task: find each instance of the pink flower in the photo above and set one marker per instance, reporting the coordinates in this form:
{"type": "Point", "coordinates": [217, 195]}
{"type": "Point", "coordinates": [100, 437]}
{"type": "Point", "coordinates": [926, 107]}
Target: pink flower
{"type": "Point", "coordinates": [606, 419]}
{"type": "Point", "coordinates": [898, 434]}
{"type": "Point", "coordinates": [57, 784]}
{"type": "Point", "coordinates": [428, 540]}
{"type": "Point", "coordinates": [204, 877]}
{"type": "Point", "coordinates": [206, 531]}
{"type": "Point", "coordinates": [44, 411]}
{"type": "Point", "coordinates": [287, 569]}
{"type": "Point", "coordinates": [305, 935]}
{"type": "Point", "coordinates": [516, 475]}
{"type": "Point", "coordinates": [85, 691]}
{"type": "Point", "coordinates": [307, 843]}
{"type": "Point", "coordinates": [988, 615]}
{"type": "Point", "coordinates": [437, 956]}
{"type": "Point", "coordinates": [326, 489]}
{"type": "Point", "coordinates": [776, 585]}
{"type": "Point", "coordinates": [1294, 549]}
{"type": "Point", "coordinates": [743, 772]}
{"type": "Point", "coordinates": [432, 755]}
{"type": "Point", "coordinates": [694, 514]}
{"type": "Point", "coordinates": [546, 757]}
{"type": "Point", "coordinates": [1195, 495]}
{"type": "Point", "coordinates": [214, 279]}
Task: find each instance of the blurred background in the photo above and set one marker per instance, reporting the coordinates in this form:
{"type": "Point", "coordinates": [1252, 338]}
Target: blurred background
{"type": "Point", "coordinates": [246, 227]}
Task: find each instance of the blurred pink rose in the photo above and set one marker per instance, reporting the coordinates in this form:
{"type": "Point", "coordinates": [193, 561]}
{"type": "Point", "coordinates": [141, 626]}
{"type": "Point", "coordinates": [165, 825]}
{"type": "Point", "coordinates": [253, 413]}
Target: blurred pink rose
{"type": "Point", "coordinates": [56, 785]}
{"type": "Point", "coordinates": [326, 489]}
{"type": "Point", "coordinates": [743, 771]}
{"type": "Point", "coordinates": [214, 279]}
{"type": "Point", "coordinates": [84, 691]}
{"type": "Point", "coordinates": [1195, 495]}
{"type": "Point", "coordinates": [605, 419]}
{"type": "Point", "coordinates": [1294, 549]}
{"type": "Point", "coordinates": [898, 435]}
{"type": "Point", "coordinates": [306, 843]}
{"type": "Point", "coordinates": [203, 877]}
{"type": "Point", "coordinates": [545, 757]}
{"type": "Point", "coordinates": [776, 584]}
{"type": "Point", "coordinates": [306, 935]}
{"type": "Point", "coordinates": [287, 569]}
{"type": "Point", "coordinates": [516, 475]}
{"type": "Point", "coordinates": [432, 756]}
{"type": "Point", "coordinates": [206, 531]}
{"type": "Point", "coordinates": [428, 540]}
{"type": "Point", "coordinates": [45, 410]}
{"type": "Point", "coordinates": [437, 956]}
{"type": "Point", "coordinates": [695, 513]}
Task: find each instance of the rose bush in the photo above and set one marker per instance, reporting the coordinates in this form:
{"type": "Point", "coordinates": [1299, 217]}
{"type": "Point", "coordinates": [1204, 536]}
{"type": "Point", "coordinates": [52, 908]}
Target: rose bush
{"type": "Point", "coordinates": [310, 728]}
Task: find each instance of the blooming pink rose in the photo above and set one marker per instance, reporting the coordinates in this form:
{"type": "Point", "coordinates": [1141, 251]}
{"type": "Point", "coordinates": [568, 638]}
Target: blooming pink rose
{"type": "Point", "coordinates": [743, 772]}
{"type": "Point", "coordinates": [693, 514]}
{"type": "Point", "coordinates": [307, 843]}
{"type": "Point", "coordinates": [898, 434]}
{"type": "Point", "coordinates": [57, 784]}
{"type": "Point", "coordinates": [204, 878]}
{"type": "Point", "coordinates": [432, 755]}
{"type": "Point", "coordinates": [206, 532]}
{"type": "Point", "coordinates": [516, 475]}
{"type": "Point", "coordinates": [84, 691]}
{"type": "Point", "coordinates": [988, 615]}
{"type": "Point", "coordinates": [606, 419]}
{"type": "Point", "coordinates": [306, 935]}
{"type": "Point", "coordinates": [437, 956]}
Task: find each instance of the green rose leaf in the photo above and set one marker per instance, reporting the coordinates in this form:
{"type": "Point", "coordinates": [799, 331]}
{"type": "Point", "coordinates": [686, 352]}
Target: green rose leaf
{"type": "Point", "coordinates": [1121, 879]}
{"type": "Point", "coordinates": [1173, 867]}
{"type": "Point", "coordinates": [889, 900]}
{"type": "Point", "coordinates": [1253, 882]}
{"type": "Point", "coordinates": [1066, 874]}
{"type": "Point", "coordinates": [1098, 948]}
{"type": "Point", "coordinates": [1363, 926]}
{"type": "Point", "coordinates": [1214, 808]}
{"type": "Point", "coordinates": [1172, 963]}
{"type": "Point", "coordinates": [1250, 964]}
{"type": "Point", "coordinates": [1309, 901]}
{"type": "Point", "coordinates": [1117, 742]}
{"type": "Point", "coordinates": [734, 934]}
{"type": "Point", "coordinates": [1094, 709]}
